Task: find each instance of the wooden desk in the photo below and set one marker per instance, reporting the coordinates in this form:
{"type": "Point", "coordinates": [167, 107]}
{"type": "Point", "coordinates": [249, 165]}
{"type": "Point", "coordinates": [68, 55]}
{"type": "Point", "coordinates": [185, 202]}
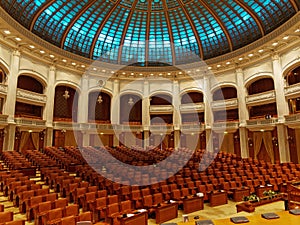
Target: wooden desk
{"type": "Point", "coordinates": [239, 193]}
{"type": "Point", "coordinates": [139, 218]}
{"type": "Point", "coordinates": [166, 212]}
{"type": "Point", "coordinates": [285, 218]}
{"type": "Point", "coordinates": [218, 198]}
{"type": "Point", "coordinates": [260, 190]}
{"type": "Point", "coordinates": [192, 204]}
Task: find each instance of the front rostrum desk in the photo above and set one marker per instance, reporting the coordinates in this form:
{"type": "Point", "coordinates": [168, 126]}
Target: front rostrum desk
{"type": "Point", "coordinates": [285, 218]}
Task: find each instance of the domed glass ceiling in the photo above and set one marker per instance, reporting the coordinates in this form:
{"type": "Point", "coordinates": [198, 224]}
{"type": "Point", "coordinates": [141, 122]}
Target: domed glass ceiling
{"type": "Point", "coordinates": [151, 32]}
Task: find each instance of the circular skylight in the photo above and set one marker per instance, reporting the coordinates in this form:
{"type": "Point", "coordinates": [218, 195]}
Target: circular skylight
{"type": "Point", "coordinates": [146, 33]}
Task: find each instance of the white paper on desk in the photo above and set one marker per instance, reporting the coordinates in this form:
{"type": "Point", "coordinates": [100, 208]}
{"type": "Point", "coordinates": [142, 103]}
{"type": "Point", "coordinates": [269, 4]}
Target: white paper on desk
{"type": "Point", "coordinates": [141, 210]}
{"type": "Point", "coordinates": [130, 215]}
{"type": "Point", "coordinates": [200, 194]}
{"type": "Point", "coordinates": [172, 201]}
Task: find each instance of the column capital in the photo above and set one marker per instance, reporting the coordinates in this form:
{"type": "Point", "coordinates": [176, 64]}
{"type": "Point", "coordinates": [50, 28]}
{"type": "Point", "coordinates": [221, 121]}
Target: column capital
{"type": "Point", "coordinates": [52, 68]}
{"type": "Point", "coordinates": [16, 53]}
{"type": "Point", "coordinates": [239, 70]}
{"type": "Point", "coordinates": [275, 56]}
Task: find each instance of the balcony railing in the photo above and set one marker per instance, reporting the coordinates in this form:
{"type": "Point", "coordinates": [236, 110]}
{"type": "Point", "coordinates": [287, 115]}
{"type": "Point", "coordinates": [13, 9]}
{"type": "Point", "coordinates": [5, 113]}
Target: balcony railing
{"type": "Point", "coordinates": [160, 109]}
{"type": "Point", "coordinates": [193, 107]}
{"type": "Point", "coordinates": [293, 120]}
{"type": "Point", "coordinates": [292, 90]}
{"type": "Point", "coordinates": [265, 97]}
{"type": "Point", "coordinates": [227, 103]}
{"type": "Point", "coordinates": [262, 122]}
{"type": "Point", "coordinates": [3, 119]}
{"type": "Point", "coordinates": [226, 125]}
{"type": "Point", "coordinates": [3, 89]}
{"type": "Point", "coordinates": [30, 122]}
{"type": "Point", "coordinates": [161, 128]}
{"type": "Point", "coordinates": [192, 127]}
{"type": "Point", "coordinates": [31, 97]}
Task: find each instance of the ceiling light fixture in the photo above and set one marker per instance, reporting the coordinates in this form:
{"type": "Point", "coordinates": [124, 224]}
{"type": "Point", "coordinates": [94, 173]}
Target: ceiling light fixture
{"type": "Point", "coordinates": [6, 31]}
{"type": "Point", "coordinates": [18, 39]}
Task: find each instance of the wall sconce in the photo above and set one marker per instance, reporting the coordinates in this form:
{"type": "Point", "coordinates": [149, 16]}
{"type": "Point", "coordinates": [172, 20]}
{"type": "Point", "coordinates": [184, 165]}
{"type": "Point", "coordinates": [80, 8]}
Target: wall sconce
{"type": "Point", "coordinates": [290, 138]}
{"type": "Point", "coordinates": [275, 141]}
{"type": "Point", "coordinates": [66, 94]}
{"type": "Point", "coordinates": [250, 142]}
{"type": "Point", "coordinates": [99, 99]}
{"type": "Point", "coordinates": [130, 101]}
{"type": "Point", "coordinates": [236, 138]}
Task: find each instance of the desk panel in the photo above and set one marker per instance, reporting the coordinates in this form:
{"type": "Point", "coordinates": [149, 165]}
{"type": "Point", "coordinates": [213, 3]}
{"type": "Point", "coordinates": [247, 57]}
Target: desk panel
{"type": "Point", "coordinates": [166, 212]}
{"type": "Point", "coordinates": [140, 218]}
{"type": "Point", "coordinates": [192, 204]}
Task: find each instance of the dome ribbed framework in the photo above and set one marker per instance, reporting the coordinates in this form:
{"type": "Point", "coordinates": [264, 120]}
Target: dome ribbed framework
{"type": "Point", "coordinates": [155, 32]}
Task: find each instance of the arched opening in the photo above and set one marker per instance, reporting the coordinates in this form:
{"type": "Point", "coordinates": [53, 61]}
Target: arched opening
{"type": "Point", "coordinates": [261, 85]}
{"type": "Point", "coordinates": [224, 93]}
{"type": "Point", "coordinates": [130, 109]}
{"type": "Point", "coordinates": [99, 107]}
{"type": "Point", "coordinates": [192, 97]}
{"type": "Point", "coordinates": [30, 84]}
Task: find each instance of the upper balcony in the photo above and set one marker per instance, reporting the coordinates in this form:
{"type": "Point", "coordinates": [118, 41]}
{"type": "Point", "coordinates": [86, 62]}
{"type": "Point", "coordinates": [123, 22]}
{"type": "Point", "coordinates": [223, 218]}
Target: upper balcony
{"type": "Point", "coordinates": [161, 109]}
{"type": "Point", "coordinates": [229, 126]}
{"type": "Point", "coordinates": [261, 123]}
{"type": "Point", "coordinates": [3, 89]}
{"type": "Point", "coordinates": [261, 98]}
{"type": "Point", "coordinates": [227, 103]}
{"type": "Point", "coordinates": [292, 90]}
{"type": "Point", "coordinates": [30, 122]}
{"type": "Point", "coordinates": [31, 97]}
{"type": "Point", "coordinates": [293, 120]}
{"type": "Point", "coordinates": [192, 107]}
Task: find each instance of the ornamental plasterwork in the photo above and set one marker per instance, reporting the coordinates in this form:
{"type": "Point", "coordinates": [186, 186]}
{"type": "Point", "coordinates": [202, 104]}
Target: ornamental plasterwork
{"type": "Point", "coordinates": [225, 103]}
{"type": "Point", "coordinates": [3, 89]}
{"type": "Point", "coordinates": [192, 107]}
{"type": "Point", "coordinates": [292, 90]}
{"type": "Point", "coordinates": [260, 97]}
{"type": "Point", "coordinates": [161, 108]}
{"type": "Point", "coordinates": [31, 95]}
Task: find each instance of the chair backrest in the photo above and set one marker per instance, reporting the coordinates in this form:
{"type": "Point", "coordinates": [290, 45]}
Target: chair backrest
{"type": "Point", "coordinates": [90, 196]}
{"type": "Point", "coordinates": [112, 199]}
{"type": "Point", "coordinates": [147, 201]}
{"type": "Point", "coordinates": [70, 220]}
{"type": "Point", "coordinates": [102, 193]}
{"type": "Point", "coordinates": [54, 214]}
{"type": "Point", "coordinates": [157, 198]}
{"type": "Point", "coordinates": [51, 197]}
{"type": "Point", "coordinates": [6, 216]}
{"type": "Point", "coordinates": [84, 223]}
{"type": "Point", "coordinates": [60, 203]}
{"type": "Point", "coordinates": [71, 210]}
{"type": "Point", "coordinates": [16, 222]}
{"type": "Point", "coordinates": [86, 216]}
{"type": "Point", "coordinates": [125, 206]}
{"type": "Point", "coordinates": [112, 208]}
{"type": "Point", "coordinates": [44, 206]}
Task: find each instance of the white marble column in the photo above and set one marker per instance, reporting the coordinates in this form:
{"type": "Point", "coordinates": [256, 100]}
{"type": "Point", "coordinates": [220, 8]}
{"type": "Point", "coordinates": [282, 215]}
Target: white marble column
{"type": "Point", "coordinates": [83, 100]}
{"type": "Point", "coordinates": [115, 103]}
{"type": "Point", "coordinates": [282, 109]}
{"type": "Point", "coordinates": [12, 80]}
{"type": "Point", "coordinates": [146, 114]}
{"type": "Point", "coordinates": [49, 107]}
{"type": "Point", "coordinates": [243, 112]}
{"type": "Point", "coordinates": [208, 114]}
{"type": "Point", "coordinates": [10, 103]}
